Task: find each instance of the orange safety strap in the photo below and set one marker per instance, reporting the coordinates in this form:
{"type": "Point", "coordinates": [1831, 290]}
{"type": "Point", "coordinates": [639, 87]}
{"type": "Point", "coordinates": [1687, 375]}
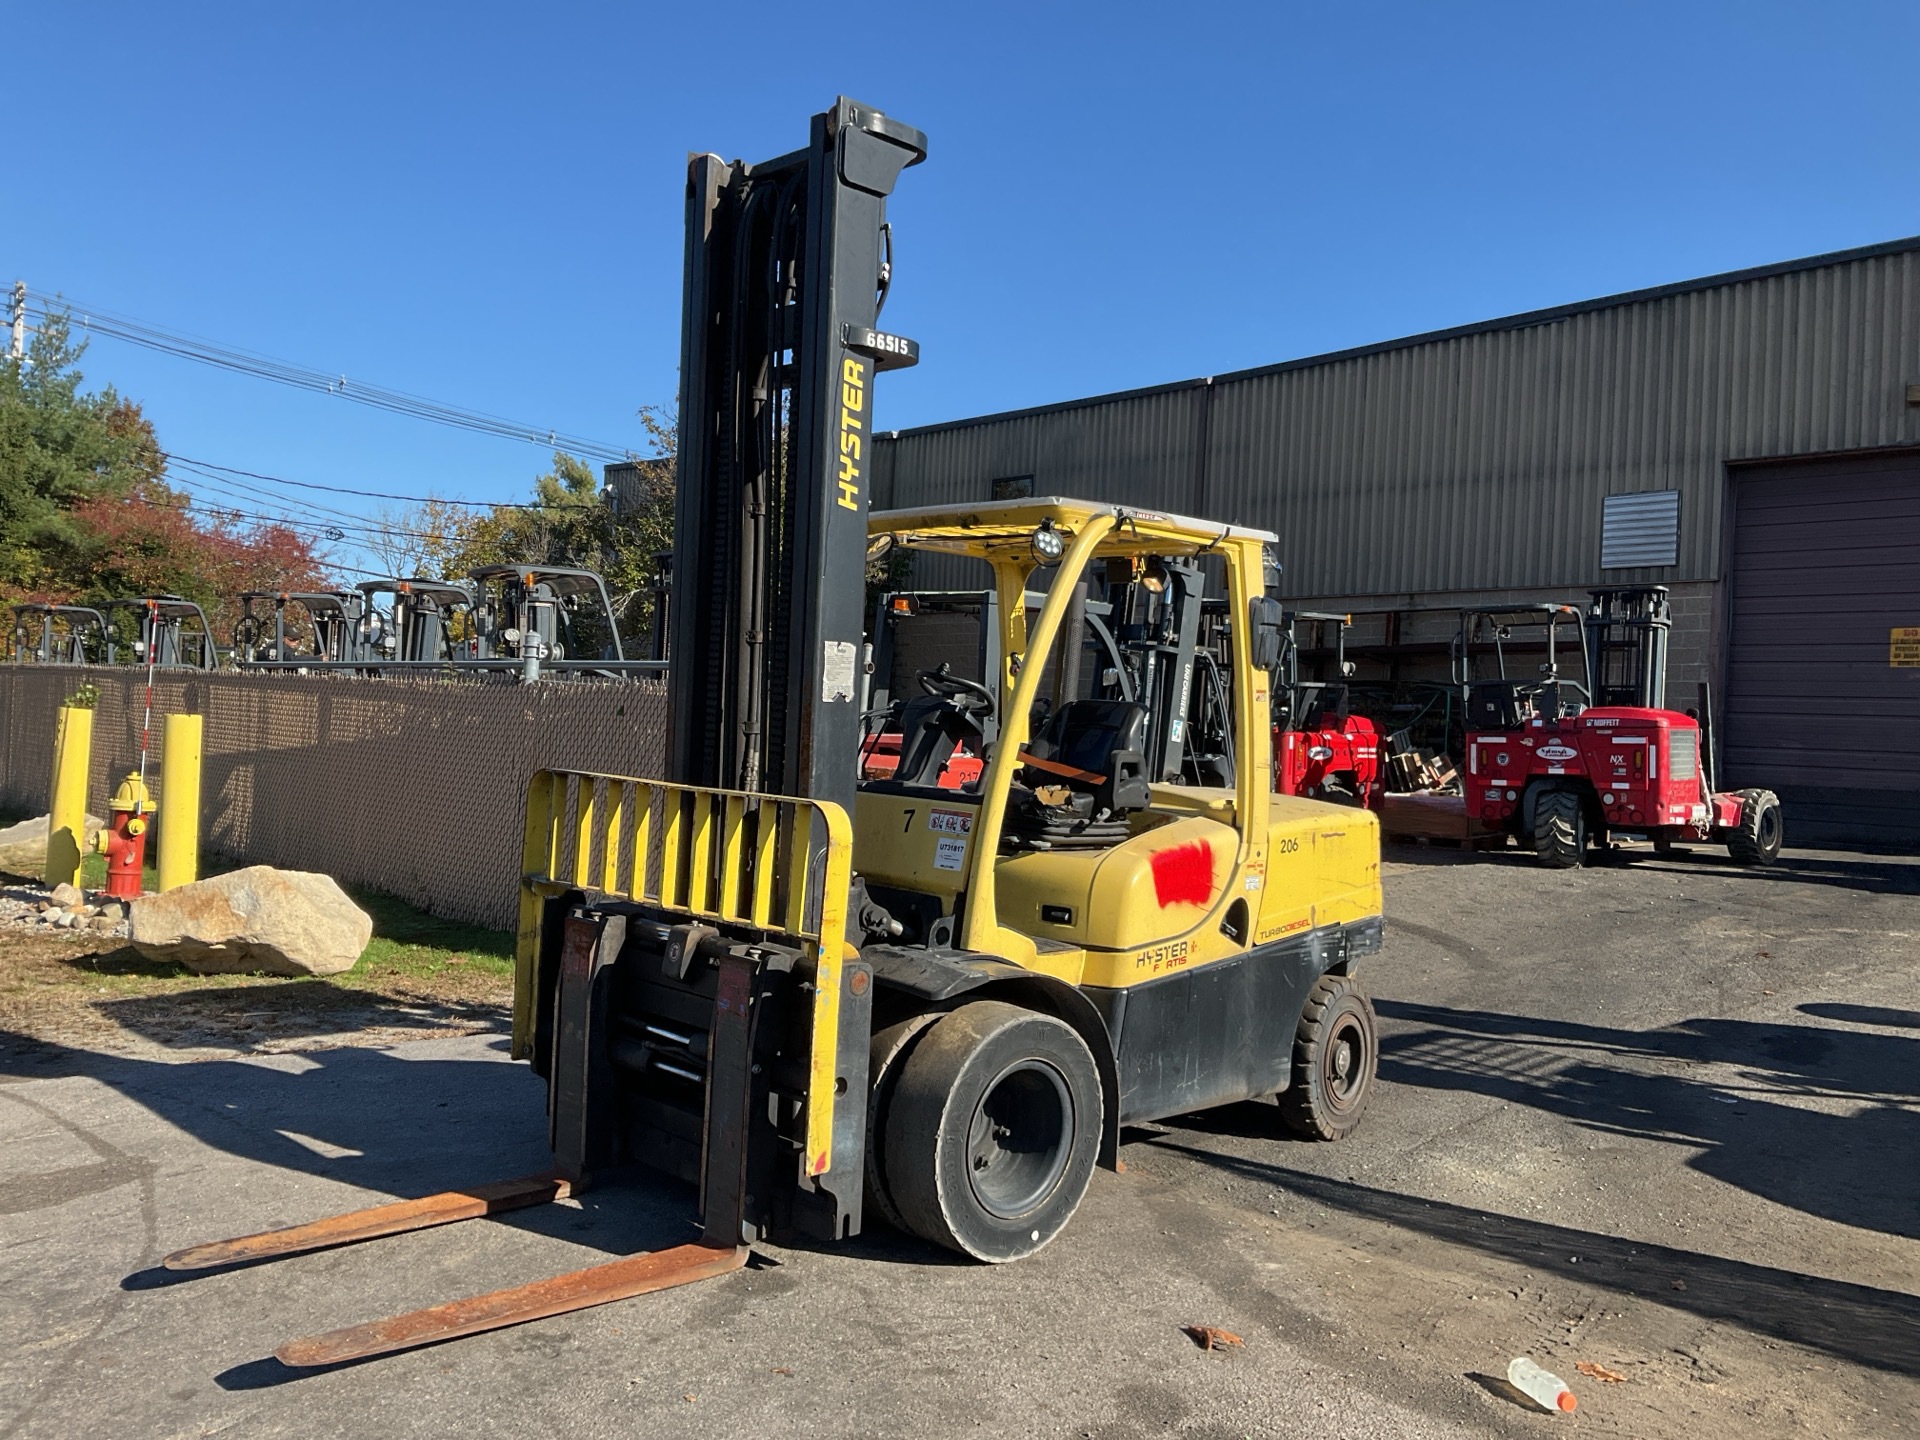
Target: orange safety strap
{"type": "Point", "coordinates": [1054, 767]}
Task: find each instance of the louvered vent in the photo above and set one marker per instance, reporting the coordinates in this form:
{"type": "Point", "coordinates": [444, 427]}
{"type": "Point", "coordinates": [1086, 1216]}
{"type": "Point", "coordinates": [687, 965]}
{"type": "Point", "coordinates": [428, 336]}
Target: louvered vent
{"type": "Point", "coordinates": [1640, 530]}
{"type": "Point", "coordinates": [1683, 756]}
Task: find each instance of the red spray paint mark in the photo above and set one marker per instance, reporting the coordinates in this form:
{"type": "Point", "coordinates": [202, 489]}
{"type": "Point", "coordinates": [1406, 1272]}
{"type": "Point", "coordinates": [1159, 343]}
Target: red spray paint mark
{"type": "Point", "coordinates": [1184, 874]}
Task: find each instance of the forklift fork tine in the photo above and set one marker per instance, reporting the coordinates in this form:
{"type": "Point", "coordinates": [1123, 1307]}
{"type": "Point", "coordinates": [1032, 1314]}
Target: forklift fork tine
{"type": "Point", "coordinates": [371, 1224]}
{"type": "Point", "coordinates": [576, 1290]}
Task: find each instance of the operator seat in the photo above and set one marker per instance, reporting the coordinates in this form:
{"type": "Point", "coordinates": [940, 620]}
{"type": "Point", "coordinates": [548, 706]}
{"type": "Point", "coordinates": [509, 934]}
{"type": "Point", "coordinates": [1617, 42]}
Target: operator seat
{"type": "Point", "coordinates": [1494, 705]}
{"type": "Point", "coordinates": [1097, 746]}
{"type": "Point", "coordinates": [1084, 772]}
{"type": "Point", "coordinates": [1328, 709]}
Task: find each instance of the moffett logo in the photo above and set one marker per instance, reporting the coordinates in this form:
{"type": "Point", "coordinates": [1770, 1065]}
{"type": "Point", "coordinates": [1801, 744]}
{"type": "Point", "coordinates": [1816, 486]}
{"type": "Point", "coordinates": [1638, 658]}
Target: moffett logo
{"type": "Point", "coordinates": [1557, 753]}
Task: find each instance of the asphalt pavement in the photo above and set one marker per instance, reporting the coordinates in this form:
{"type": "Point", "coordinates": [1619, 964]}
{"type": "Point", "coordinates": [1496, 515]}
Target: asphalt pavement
{"type": "Point", "coordinates": [1660, 1118]}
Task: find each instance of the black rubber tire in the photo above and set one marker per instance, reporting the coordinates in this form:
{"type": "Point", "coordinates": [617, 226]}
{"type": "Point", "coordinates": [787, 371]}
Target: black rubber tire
{"type": "Point", "coordinates": [1757, 838]}
{"type": "Point", "coordinates": [885, 1056]}
{"type": "Point", "coordinates": [986, 1073]}
{"type": "Point", "coordinates": [1336, 1054]}
{"type": "Point", "coordinates": [1560, 830]}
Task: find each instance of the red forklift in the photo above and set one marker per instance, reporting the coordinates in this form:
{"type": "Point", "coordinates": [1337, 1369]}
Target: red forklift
{"type": "Point", "coordinates": [1565, 761]}
{"type": "Point", "coordinates": [1321, 749]}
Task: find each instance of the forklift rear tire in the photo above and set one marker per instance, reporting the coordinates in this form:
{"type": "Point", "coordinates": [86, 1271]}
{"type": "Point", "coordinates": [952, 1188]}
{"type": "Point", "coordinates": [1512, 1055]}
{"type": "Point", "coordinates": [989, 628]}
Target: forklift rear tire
{"type": "Point", "coordinates": [1336, 1053]}
{"type": "Point", "coordinates": [1756, 840]}
{"type": "Point", "coordinates": [992, 1131]}
{"type": "Point", "coordinates": [1560, 830]}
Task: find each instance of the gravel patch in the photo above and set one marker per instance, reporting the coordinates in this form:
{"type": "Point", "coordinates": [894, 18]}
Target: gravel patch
{"type": "Point", "coordinates": [28, 906]}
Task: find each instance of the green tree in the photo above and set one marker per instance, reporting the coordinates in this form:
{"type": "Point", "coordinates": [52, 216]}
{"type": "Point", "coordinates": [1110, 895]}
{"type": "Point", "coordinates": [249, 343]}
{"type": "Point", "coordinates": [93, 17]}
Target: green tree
{"type": "Point", "coordinates": [61, 447]}
{"type": "Point", "coordinates": [85, 510]}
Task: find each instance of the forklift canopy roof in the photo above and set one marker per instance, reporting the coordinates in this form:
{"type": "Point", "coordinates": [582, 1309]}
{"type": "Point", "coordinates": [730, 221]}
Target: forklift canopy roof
{"type": "Point", "coordinates": [45, 607]}
{"type": "Point", "coordinates": [1536, 611]}
{"type": "Point", "coordinates": [169, 606]}
{"type": "Point", "coordinates": [564, 581]}
{"type": "Point", "coordinates": [993, 528]}
{"type": "Point", "coordinates": [450, 592]}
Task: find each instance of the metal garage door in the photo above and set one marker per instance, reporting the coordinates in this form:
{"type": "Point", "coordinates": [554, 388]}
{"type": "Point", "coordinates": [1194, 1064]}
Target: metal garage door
{"type": "Point", "coordinates": [1823, 698]}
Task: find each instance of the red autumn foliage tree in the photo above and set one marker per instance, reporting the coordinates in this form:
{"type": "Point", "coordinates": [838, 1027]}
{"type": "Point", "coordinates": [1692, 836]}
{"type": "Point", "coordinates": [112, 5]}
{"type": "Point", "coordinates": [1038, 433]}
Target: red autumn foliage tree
{"type": "Point", "coordinates": [146, 542]}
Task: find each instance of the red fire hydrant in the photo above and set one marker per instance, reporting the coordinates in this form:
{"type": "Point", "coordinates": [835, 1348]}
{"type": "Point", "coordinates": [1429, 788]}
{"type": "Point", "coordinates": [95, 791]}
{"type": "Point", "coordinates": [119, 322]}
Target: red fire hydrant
{"type": "Point", "coordinates": [125, 839]}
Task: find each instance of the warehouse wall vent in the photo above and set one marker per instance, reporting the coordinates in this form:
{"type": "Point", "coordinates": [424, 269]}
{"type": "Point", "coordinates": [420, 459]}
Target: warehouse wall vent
{"type": "Point", "coordinates": [1640, 531]}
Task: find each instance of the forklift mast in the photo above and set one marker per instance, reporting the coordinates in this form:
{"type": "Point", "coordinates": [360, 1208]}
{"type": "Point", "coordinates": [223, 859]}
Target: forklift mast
{"type": "Point", "coordinates": [1156, 621]}
{"type": "Point", "coordinates": [1627, 646]}
{"type": "Point", "coordinates": [787, 268]}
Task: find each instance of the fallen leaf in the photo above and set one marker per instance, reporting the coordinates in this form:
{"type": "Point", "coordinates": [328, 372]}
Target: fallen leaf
{"type": "Point", "coordinates": [689, 1398]}
{"type": "Point", "coordinates": [783, 1370]}
{"type": "Point", "coordinates": [1766, 992]}
{"type": "Point", "coordinates": [1679, 1284]}
{"type": "Point", "coordinates": [1211, 1337]}
{"type": "Point", "coordinates": [1600, 1372]}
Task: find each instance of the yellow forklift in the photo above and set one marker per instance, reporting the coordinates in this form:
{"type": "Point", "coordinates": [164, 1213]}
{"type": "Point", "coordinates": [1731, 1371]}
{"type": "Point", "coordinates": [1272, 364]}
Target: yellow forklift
{"type": "Point", "coordinates": [825, 999]}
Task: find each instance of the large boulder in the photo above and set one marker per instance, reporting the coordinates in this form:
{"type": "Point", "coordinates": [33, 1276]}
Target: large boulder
{"type": "Point", "coordinates": [23, 847]}
{"type": "Point", "coordinates": [283, 922]}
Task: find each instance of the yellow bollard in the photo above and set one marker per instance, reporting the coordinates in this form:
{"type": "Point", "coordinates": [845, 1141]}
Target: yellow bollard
{"type": "Point", "coordinates": [180, 796]}
{"type": "Point", "coordinates": [67, 817]}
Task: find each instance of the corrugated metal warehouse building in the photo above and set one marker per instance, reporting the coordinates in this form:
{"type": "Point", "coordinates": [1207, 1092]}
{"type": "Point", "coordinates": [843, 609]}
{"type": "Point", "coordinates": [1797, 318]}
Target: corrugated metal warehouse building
{"type": "Point", "coordinates": [1751, 440]}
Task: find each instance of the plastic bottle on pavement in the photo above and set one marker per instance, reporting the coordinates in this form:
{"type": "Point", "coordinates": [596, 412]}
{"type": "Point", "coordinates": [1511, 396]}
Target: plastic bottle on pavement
{"type": "Point", "coordinates": [1544, 1387]}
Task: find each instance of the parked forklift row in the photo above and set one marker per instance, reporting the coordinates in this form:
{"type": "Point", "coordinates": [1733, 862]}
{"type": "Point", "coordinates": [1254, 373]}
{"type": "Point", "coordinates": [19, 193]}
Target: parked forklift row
{"type": "Point", "coordinates": [531, 621]}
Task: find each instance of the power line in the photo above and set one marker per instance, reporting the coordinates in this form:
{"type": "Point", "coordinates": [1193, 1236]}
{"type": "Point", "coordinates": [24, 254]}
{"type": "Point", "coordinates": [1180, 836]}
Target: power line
{"type": "Point", "coordinates": [95, 321]}
{"type": "Point", "coordinates": [196, 479]}
{"type": "Point", "coordinates": [385, 495]}
{"type": "Point", "coordinates": [214, 512]}
{"type": "Point", "coordinates": [334, 530]}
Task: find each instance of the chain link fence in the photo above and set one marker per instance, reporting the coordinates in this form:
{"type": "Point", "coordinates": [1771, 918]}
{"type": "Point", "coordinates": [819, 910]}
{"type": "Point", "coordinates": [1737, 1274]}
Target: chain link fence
{"type": "Point", "coordinates": [412, 787]}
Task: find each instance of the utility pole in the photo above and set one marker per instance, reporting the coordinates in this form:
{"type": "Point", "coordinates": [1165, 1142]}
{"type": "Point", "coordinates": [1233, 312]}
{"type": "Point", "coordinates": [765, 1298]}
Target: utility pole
{"type": "Point", "coordinates": [19, 348]}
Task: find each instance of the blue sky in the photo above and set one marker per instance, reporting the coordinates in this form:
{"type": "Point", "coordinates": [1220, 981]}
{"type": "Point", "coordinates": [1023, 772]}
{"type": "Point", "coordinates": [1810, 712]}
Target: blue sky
{"type": "Point", "coordinates": [482, 203]}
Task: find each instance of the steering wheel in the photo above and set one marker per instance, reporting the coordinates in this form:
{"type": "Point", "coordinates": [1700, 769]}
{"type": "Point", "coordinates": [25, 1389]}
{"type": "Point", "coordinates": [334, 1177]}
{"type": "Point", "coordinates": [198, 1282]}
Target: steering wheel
{"type": "Point", "coordinates": [968, 696]}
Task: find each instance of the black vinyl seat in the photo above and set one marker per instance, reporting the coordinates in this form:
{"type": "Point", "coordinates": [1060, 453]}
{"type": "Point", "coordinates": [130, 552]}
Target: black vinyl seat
{"type": "Point", "coordinates": [1102, 743]}
{"type": "Point", "coordinates": [1494, 705]}
{"type": "Point", "coordinates": [1328, 709]}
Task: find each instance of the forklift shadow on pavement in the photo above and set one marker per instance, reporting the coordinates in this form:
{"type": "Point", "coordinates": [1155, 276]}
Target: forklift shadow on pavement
{"type": "Point", "coordinates": [1745, 1120]}
{"type": "Point", "coordinates": [369, 1118]}
{"type": "Point", "coordinates": [1860, 1324]}
{"type": "Point", "coordinates": [383, 1122]}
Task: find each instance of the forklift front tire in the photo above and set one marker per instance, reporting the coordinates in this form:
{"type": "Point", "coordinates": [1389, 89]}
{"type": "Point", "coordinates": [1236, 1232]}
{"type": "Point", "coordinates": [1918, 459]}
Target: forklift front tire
{"type": "Point", "coordinates": [1756, 839]}
{"type": "Point", "coordinates": [1336, 1052]}
{"type": "Point", "coordinates": [992, 1131]}
{"type": "Point", "coordinates": [887, 1056]}
{"type": "Point", "coordinates": [1560, 830]}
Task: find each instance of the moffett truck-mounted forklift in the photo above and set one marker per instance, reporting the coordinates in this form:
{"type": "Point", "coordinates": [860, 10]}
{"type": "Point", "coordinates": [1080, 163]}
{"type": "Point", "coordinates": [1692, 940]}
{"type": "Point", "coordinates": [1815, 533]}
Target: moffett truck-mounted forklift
{"type": "Point", "coordinates": [1547, 764]}
{"type": "Point", "coordinates": [819, 997]}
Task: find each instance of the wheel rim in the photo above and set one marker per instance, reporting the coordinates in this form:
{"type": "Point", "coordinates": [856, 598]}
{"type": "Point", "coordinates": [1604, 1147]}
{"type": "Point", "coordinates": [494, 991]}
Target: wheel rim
{"type": "Point", "coordinates": [1343, 1061]}
{"type": "Point", "coordinates": [1769, 828]}
{"type": "Point", "coordinates": [1020, 1139]}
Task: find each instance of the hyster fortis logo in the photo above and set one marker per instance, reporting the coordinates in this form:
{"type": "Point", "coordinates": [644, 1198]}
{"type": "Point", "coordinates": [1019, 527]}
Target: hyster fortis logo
{"type": "Point", "coordinates": [853, 405]}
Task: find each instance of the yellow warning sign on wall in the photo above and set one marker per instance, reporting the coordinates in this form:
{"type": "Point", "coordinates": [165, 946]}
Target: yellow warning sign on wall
{"type": "Point", "coordinates": [1905, 647]}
